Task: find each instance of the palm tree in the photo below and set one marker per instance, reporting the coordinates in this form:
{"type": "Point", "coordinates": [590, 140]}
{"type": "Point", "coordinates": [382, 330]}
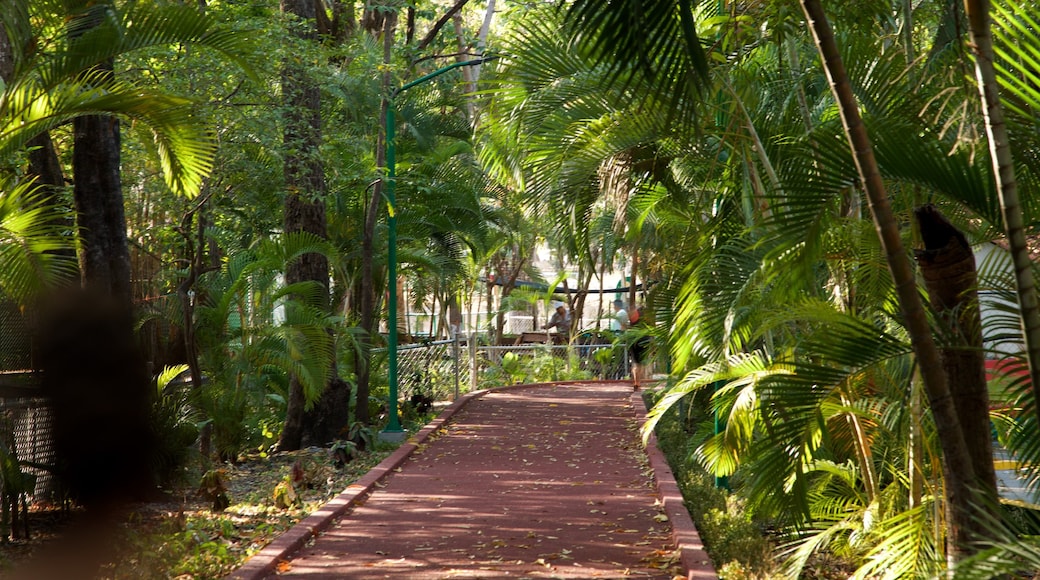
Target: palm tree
{"type": "Point", "coordinates": [766, 231]}
{"type": "Point", "coordinates": [978, 12]}
{"type": "Point", "coordinates": [249, 357]}
{"type": "Point", "coordinates": [55, 80]}
{"type": "Point", "coordinates": [961, 474]}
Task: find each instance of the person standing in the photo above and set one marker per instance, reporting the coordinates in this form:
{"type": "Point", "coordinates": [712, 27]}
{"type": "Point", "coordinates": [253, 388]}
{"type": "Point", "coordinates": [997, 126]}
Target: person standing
{"type": "Point", "coordinates": [561, 319]}
{"type": "Point", "coordinates": [620, 321]}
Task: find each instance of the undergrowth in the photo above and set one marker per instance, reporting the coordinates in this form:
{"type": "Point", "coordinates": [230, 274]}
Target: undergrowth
{"type": "Point", "coordinates": [737, 545]}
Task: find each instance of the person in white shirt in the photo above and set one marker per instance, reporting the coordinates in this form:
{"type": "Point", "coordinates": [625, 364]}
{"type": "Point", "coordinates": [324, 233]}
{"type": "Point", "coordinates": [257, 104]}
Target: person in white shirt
{"type": "Point", "coordinates": [620, 321]}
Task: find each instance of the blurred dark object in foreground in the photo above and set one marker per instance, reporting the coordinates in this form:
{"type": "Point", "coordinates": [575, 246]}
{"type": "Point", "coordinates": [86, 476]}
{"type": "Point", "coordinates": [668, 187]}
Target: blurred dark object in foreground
{"type": "Point", "coordinates": [97, 383]}
{"type": "Point", "coordinates": [96, 379]}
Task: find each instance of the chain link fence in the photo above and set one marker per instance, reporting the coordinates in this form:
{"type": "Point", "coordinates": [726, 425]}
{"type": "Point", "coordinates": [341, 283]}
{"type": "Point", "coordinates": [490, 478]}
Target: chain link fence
{"type": "Point", "coordinates": [26, 439]}
{"type": "Point", "coordinates": [444, 369]}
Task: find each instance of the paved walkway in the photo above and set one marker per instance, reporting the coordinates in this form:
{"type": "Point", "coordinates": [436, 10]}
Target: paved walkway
{"type": "Point", "coordinates": [544, 481]}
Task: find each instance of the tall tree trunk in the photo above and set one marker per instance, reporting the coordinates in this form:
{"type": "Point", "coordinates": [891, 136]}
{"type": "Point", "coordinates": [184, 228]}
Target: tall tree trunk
{"type": "Point", "coordinates": [104, 256]}
{"type": "Point", "coordinates": [959, 490]}
{"type": "Point", "coordinates": [948, 268]}
{"type": "Point", "coordinates": [6, 56]}
{"type": "Point", "coordinates": [468, 83]}
{"type": "Point", "coordinates": [485, 28]}
{"type": "Point", "coordinates": [194, 240]}
{"type": "Point", "coordinates": [104, 253]}
{"type": "Point", "coordinates": [1007, 186]}
{"type": "Point", "coordinates": [305, 212]}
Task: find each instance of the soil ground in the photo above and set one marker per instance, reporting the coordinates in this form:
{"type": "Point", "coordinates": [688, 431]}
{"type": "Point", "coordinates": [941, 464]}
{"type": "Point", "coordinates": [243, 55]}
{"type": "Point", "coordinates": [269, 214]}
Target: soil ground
{"type": "Point", "coordinates": [179, 535]}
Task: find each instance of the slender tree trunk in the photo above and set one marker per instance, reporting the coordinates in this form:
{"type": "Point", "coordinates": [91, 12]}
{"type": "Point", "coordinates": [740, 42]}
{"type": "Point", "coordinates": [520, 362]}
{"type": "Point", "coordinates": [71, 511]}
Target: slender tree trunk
{"type": "Point", "coordinates": [369, 323]}
{"type": "Point", "coordinates": [959, 492]}
{"type": "Point", "coordinates": [485, 28]}
{"type": "Point", "coordinates": [194, 242]}
{"type": "Point", "coordinates": [467, 72]}
{"type": "Point", "coordinates": [1007, 186]}
{"type": "Point", "coordinates": [632, 282]}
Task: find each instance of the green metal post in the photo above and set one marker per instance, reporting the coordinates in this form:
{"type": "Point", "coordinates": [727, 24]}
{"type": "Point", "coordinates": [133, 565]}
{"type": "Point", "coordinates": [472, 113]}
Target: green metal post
{"type": "Point", "coordinates": [394, 424]}
{"type": "Point", "coordinates": [721, 482]}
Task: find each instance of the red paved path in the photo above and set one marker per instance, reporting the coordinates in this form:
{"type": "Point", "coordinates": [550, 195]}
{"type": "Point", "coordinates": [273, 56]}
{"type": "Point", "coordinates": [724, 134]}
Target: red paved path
{"type": "Point", "coordinates": [548, 481]}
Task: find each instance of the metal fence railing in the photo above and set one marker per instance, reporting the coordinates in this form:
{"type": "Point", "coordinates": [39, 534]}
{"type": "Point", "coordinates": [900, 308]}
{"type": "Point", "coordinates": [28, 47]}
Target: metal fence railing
{"type": "Point", "coordinates": [431, 369]}
{"type": "Point", "coordinates": [26, 433]}
{"type": "Point", "coordinates": [444, 369]}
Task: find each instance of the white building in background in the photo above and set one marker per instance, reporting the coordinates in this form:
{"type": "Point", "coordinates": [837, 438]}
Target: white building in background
{"type": "Point", "coordinates": [418, 323]}
{"type": "Point", "coordinates": [998, 306]}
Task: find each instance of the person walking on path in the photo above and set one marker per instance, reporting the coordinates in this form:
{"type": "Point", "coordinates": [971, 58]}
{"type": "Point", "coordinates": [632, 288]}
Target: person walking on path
{"type": "Point", "coordinates": [639, 349]}
{"type": "Point", "coordinates": [533, 482]}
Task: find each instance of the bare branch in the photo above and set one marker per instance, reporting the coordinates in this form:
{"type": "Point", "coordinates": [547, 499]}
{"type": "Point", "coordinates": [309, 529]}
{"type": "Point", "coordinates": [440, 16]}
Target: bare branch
{"type": "Point", "coordinates": [440, 24]}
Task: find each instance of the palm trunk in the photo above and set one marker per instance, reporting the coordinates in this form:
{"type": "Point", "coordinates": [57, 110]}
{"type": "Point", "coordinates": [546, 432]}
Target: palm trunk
{"type": "Point", "coordinates": [863, 452]}
{"type": "Point", "coordinates": [948, 268]}
{"type": "Point", "coordinates": [1007, 186]}
{"type": "Point", "coordinates": [959, 491]}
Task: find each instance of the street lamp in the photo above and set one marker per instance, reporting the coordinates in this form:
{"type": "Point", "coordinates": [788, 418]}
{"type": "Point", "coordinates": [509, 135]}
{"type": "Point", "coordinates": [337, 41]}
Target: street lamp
{"type": "Point", "coordinates": [393, 428]}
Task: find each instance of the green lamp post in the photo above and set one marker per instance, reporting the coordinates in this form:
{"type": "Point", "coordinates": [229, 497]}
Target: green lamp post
{"type": "Point", "coordinates": [393, 427]}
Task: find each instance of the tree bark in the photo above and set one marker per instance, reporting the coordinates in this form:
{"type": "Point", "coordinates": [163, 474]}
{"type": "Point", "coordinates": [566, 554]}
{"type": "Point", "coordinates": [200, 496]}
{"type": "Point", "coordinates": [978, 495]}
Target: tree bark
{"type": "Point", "coordinates": [959, 490]}
{"type": "Point", "coordinates": [104, 256]}
{"type": "Point", "coordinates": [104, 253]}
{"type": "Point", "coordinates": [6, 56]}
{"type": "Point", "coordinates": [305, 212]}
{"type": "Point", "coordinates": [948, 268]}
{"type": "Point", "coordinates": [1007, 185]}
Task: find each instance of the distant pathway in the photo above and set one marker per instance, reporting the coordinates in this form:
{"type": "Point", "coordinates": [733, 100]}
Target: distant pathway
{"type": "Point", "coordinates": [548, 481]}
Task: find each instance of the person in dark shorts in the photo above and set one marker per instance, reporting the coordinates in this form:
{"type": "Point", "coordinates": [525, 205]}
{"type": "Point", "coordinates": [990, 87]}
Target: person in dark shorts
{"type": "Point", "coordinates": [639, 349]}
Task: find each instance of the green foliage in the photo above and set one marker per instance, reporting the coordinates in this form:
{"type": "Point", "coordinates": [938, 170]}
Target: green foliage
{"type": "Point", "coordinates": [537, 365]}
{"type": "Point", "coordinates": [34, 250]}
{"type": "Point", "coordinates": [49, 87]}
{"type": "Point", "coordinates": [734, 541]}
{"type": "Point", "coordinates": [174, 420]}
{"type": "Point", "coordinates": [246, 353]}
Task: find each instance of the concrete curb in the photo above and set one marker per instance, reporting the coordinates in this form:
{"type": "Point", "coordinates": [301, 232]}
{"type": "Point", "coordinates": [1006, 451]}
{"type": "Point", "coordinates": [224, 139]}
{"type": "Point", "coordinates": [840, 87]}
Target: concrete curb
{"type": "Point", "coordinates": [262, 564]}
{"type": "Point", "coordinates": [692, 555]}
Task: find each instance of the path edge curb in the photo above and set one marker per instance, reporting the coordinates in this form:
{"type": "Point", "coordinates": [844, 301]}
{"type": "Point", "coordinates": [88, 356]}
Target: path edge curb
{"type": "Point", "coordinates": [693, 558]}
{"type": "Point", "coordinates": [263, 563]}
